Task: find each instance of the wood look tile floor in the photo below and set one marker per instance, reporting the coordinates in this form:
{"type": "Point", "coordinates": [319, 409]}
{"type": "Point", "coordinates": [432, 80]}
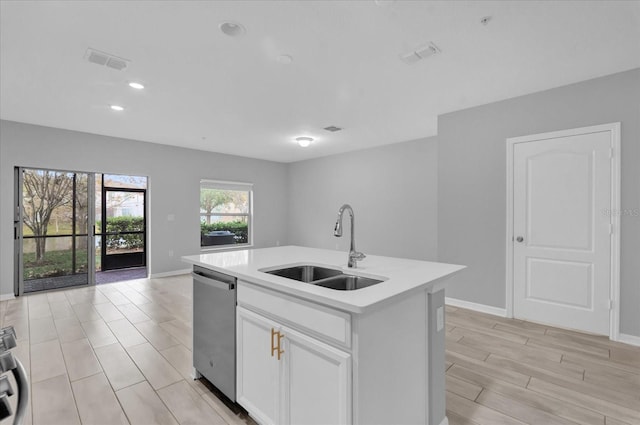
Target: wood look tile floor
{"type": "Point", "coordinates": [117, 353]}
{"type": "Point", "coordinates": [506, 371]}
{"type": "Point", "coordinates": [121, 353]}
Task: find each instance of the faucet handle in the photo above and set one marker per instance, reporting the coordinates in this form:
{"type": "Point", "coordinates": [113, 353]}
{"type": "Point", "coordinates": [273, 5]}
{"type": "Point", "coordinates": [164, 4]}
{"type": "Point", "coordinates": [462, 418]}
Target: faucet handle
{"type": "Point", "coordinates": [358, 256]}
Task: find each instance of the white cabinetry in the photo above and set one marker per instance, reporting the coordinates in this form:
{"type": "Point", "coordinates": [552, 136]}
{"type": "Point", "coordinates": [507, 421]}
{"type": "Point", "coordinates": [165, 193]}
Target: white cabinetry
{"type": "Point", "coordinates": [288, 377]}
{"type": "Point", "coordinates": [257, 372]}
{"type": "Point", "coordinates": [371, 368]}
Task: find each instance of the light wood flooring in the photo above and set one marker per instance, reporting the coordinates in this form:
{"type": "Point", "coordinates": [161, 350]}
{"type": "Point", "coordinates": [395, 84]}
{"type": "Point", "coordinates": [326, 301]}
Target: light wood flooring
{"type": "Point", "coordinates": [506, 371]}
{"type": "Point", "coordinates": [117, 353]}
{"type": "Point", "coordinates": [121, 353]}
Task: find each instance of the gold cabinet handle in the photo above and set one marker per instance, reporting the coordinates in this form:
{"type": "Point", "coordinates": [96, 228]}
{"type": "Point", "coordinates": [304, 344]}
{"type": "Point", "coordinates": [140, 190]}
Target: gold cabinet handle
{"type": "Point", "coordinates": [275, 349]}
{"type": "Point", "coordinates": [280, 351]}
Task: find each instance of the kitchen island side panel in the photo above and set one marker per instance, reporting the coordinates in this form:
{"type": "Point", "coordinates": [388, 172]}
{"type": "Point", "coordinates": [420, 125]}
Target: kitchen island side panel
{"type": "Point", "coordinates": [437, 361]}
{"type": "Point", "coordinates": [390, 363]}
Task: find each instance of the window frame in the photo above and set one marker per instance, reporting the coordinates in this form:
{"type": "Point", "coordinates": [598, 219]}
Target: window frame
{"type": "Point", "coordinates": [231, 186]}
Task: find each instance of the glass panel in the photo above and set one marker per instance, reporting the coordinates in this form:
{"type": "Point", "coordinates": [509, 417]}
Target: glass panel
{"type": "Point", "coordinates": [98, 253]}
{"type": "Point", "coordinates": [223, 201]}
{"type": "Point", "coordinates": [54, 268]}
{"type": "Point", "coordinates": [82, 254]}
{"type": "Point", "coordinates": [54, 211]}
{"type": "Point", "coordinates": [131, 182]}
{"type": "Point", "coordinates": [125, 213]}
{"type": "Point", "coordinates": [227, 230]}
{"type": "Point", "coordinates": [98, 209]}
{"type": "Point", "coordinates": [82, 203]}
{"type": "Point", "coordinates": [125, 244]}
{"type": "Point", "coordinates": [47, 203]}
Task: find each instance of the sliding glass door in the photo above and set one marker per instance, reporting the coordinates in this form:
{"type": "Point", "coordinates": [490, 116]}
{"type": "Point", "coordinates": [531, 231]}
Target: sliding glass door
{"type": "Point", "coordinates": [73, 228]}
{"type": "Point", "coordinates": [53, 243]}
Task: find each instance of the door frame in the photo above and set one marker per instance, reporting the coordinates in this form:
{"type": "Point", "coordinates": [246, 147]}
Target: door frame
{"type": "Point", "coordinates": [103, 227]}
{"type": "Point", "coordinates": [614, 290]}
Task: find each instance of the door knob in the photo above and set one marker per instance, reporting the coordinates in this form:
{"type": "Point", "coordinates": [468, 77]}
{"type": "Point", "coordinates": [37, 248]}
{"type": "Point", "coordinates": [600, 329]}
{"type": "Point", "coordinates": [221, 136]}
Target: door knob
{"type": "Point", "coordinates": [519, 239]}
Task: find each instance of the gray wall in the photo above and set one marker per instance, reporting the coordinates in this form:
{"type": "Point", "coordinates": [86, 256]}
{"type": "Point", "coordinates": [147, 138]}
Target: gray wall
{"type": "Point", "coordinates": [392, 189]}
{"type": "Point", "coordinates": [174, 176]}
{"type": "Point", "coordinates": [472, 180]}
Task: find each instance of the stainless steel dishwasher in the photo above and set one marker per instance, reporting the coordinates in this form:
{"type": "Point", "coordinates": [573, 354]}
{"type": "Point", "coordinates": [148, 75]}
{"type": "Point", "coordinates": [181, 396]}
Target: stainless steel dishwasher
{"type": "Point", "coordinates": [214, 328]}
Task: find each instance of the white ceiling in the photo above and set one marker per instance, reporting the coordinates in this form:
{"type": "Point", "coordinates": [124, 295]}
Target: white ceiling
{"type": "Point", "coordinates": [208, 91]}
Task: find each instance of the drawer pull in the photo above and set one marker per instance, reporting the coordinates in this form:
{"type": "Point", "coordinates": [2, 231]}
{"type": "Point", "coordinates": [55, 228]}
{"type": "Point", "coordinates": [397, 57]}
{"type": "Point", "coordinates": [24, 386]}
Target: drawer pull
{"type": "Point", "coordinates": [275, 346]}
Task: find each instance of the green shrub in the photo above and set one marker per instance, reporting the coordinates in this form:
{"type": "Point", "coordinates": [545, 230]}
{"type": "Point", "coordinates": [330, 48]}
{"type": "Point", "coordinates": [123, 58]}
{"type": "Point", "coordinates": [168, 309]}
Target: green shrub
{"type": "Point", "coordinates": [124, 224]}
{"type": "Point", "coordinates": [238, 228]}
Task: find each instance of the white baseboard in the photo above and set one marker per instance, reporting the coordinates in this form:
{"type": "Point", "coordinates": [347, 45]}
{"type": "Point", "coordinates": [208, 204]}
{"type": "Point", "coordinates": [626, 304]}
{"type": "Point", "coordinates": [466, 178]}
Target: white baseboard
{"type": "Point", "coordinates": [5, 297]}
{"type": "Point", "coordinates": [172, 273]}
{"type": "Point", "coordinates": [629, 339]}
{"type": "Point", "coordinates": [482, 308]}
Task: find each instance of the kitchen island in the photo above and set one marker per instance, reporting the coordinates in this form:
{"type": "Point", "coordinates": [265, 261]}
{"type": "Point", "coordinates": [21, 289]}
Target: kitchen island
{"type": "Point", "coordinates": [311, 354]}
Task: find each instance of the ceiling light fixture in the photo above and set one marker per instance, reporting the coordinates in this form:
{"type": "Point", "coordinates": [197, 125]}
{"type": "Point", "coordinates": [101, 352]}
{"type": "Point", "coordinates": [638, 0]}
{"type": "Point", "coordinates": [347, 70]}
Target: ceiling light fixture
{"type": "Point", "coordinates": [116, 108]}
{"type": "Point", "coordinates": [136, 86]}
{"type": "Point", "coordinates": [232, 29]}
{"type": "Point", "coordinates": [303, 142]}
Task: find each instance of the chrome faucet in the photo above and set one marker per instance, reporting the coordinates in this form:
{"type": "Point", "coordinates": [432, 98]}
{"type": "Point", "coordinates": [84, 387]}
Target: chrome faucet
{"type": "Point", "coordinates": [354, 256]}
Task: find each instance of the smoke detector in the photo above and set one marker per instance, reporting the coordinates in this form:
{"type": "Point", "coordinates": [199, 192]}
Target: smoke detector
{"type": "Point", "coordinates": [420, 53]}
{"type": "Point", "coordinates": [106, 59]}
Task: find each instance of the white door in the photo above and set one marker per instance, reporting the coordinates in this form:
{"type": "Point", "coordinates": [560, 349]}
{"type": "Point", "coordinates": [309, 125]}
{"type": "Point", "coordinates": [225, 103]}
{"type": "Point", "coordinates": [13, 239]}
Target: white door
{"type": "Point", "coordinates": [257, 381]}
{"type": "Point", "coordinates": [316, 382]}
{"type": "Point", "coordinates": [561, 229]}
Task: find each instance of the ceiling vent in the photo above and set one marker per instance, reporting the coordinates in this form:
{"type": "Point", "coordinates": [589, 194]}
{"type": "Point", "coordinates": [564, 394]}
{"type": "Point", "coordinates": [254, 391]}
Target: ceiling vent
{"type": "Point", "coordinates": [106, 59]}
{"type": "Point", "coordinates": [332, 128]}
{"type": "Point", "coordinates": [420, 53]}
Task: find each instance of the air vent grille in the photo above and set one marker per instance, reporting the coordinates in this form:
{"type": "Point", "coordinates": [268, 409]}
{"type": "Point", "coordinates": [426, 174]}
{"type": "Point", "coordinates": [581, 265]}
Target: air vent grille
{"type": "Point", "coordinates": [106, 59]}
{"type": "Point", "coordinates": [332, 128]}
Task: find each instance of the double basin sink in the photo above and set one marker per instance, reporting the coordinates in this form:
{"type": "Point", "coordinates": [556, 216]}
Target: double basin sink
{"type": "Point", "coordinates": [325, 277]}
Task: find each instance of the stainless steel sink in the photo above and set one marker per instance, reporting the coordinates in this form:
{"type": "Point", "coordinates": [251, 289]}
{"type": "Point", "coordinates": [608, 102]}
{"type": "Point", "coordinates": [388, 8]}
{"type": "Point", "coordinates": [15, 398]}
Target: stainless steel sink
{"type": "Point", "coordinates": [325, 277]}
{"type": "Point", "coordinates": [347, 282]}
{"type": "Point", "coordinates": [307, 274]}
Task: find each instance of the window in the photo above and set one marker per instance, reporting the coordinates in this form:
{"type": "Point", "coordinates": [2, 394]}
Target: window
{"type": "Point", "coordinates": [225, 213]}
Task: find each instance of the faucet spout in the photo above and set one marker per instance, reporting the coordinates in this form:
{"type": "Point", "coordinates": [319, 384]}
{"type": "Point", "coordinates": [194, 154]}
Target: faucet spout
{"type": "Point", "coordinates": [354, 256]}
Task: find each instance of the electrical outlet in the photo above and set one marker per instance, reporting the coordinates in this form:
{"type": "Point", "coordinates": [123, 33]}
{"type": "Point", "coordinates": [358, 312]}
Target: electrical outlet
{"type": "Point", "coordinates": [171, 253]}
{"type": "Point", "coordinates": [277, 243]}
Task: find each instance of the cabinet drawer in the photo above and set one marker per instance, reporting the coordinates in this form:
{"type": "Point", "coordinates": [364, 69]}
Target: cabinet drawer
{"type": "Point", "coordinates": [324, 322]}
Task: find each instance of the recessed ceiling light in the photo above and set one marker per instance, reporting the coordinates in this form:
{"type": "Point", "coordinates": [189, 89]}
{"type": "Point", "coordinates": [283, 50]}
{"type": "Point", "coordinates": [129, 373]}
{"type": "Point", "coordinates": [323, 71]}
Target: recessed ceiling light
{"type": "Point", "coordinates": [116, 107]}
{"type": "Point", "coordinates": [304, 141]}
{"type": "Point", "coordinates": [232, 29]}
{"type": "Point", "coordinates": [332, 128]}
{"type": "Point", "coordinates": [136, 86]}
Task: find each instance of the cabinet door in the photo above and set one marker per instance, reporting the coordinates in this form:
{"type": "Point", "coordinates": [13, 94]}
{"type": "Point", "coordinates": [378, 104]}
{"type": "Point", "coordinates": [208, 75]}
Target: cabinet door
{"type": "Point", "coordinates": [316, 382]}
{"type": "Point", "coordinates": [257, 380]}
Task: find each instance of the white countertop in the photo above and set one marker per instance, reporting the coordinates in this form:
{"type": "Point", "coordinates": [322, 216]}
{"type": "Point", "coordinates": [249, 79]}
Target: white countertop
{"type": "Point", "coordinates": [401, 275]}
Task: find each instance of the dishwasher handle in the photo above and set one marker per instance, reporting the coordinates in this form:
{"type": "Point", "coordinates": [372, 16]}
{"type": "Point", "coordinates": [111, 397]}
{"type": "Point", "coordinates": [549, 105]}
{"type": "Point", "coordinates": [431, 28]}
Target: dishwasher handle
{"type": "Point", "coordinates": [228, 286]}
